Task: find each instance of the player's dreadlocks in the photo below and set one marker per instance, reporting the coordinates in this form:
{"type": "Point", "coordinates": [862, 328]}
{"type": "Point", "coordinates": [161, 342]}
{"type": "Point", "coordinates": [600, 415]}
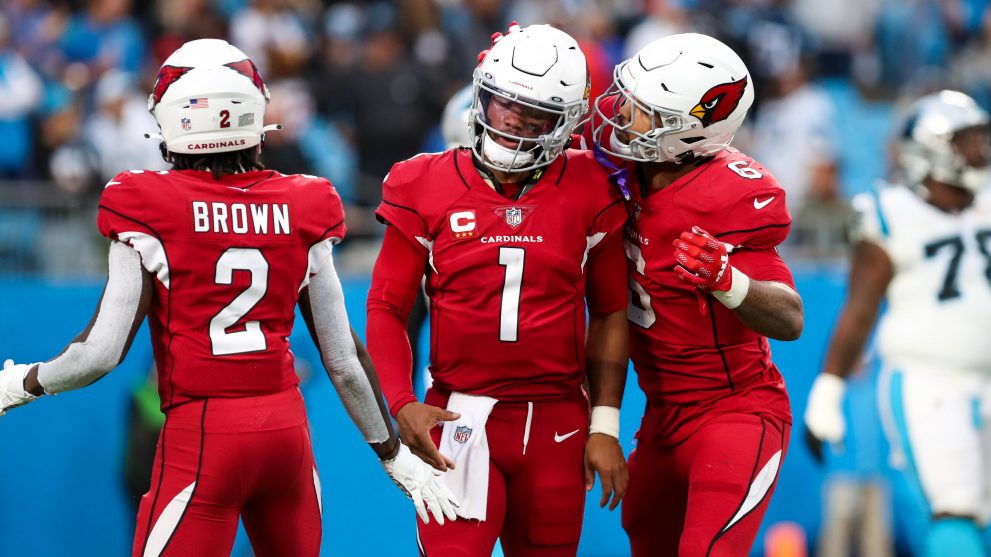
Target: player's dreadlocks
{"type": "Point", "coordinates": [219, 164]}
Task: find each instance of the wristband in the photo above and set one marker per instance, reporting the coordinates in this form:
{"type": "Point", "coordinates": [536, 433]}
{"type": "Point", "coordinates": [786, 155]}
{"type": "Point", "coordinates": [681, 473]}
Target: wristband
{"type": "Point", "coordinates": [733, 297]}
{"type": "Point", "coordinates": [605, 420]}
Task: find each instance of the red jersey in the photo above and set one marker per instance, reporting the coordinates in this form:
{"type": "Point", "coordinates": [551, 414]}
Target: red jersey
{"type": "Point", "coordinates": [229, 258]}
{"type": "Point", "coordinates": [506, 279]}
{"type": "Point", "coordinates": [682, 356]}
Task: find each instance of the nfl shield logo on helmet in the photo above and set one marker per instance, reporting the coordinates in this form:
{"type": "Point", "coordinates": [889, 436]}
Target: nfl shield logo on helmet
{"type": "Point", "coordinates": [462, 433]}
{"type": "Point", "coordinates": [186, 124]}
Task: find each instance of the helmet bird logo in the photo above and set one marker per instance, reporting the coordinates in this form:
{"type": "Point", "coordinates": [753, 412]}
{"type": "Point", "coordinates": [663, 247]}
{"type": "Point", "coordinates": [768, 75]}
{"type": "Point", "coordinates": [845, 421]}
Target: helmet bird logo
{"type": "Point", "coordinates": [719, 102]}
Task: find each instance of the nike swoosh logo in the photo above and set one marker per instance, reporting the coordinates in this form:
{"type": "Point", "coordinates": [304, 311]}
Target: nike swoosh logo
{"type": "Point", "coordinates": [559, 438]}
{"type": "Point", "coordinates": [761, 204]}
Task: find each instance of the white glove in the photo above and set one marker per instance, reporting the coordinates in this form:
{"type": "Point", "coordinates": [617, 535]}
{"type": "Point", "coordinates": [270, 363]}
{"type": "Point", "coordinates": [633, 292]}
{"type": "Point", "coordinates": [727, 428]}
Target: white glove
{"type": "Point", "coordinates": [420, 482]}
{"type": "Point", "coordinates": [824, 413]}
{"type": "Point", "coordinates": [12, 393]}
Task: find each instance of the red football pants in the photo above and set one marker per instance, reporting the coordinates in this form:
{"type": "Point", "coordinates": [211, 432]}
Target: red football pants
{"type": "Point", "coordinates": [705, 497]}
{"type": "Point", "coordinates": [536, 497]}
{"type": "Point", "coordinates": [221, 458]}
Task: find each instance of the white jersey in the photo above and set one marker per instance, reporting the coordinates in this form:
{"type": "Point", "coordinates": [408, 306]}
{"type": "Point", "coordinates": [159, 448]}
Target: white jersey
{"type": "Point", "coordinates": [939, 299]}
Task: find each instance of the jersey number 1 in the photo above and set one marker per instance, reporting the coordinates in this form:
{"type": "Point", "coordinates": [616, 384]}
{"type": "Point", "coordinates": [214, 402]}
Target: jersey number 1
{"type": "Point", "coordinates": [251, 339]}
{"type": "Point", "coordinates": [509, 312]}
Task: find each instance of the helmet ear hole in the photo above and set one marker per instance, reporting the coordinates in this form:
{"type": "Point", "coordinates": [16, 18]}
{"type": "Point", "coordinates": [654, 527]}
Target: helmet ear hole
{"type": "Point", "coordinates": [166, 155]}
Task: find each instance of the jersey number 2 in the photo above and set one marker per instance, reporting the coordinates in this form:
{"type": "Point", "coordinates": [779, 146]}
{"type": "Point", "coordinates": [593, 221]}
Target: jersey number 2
{"type": "Point", "coordinates": [251, 339]}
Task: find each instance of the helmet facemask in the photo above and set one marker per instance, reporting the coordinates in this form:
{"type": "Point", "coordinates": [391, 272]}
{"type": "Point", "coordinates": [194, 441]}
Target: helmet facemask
{"type": "Point", "coordinates": [636, 146]}
{"type": "Point", "coordinates": [541, 132]}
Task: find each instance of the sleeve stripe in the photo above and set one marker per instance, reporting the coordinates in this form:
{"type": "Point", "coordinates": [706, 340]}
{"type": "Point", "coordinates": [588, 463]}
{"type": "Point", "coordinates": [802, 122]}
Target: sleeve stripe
{"type": "Point", "coordinates": [599, 214]}
{"type": "Point", "coordinates": [396, 205]}
{"type": "Point", "coordinates": [132, 219]}
{"type": "Point", "coordinates": [775, 225]}
{"type": "Point", "coordinates": [880, 213]}
{"type": "Point", "coordinates": [323, 235]}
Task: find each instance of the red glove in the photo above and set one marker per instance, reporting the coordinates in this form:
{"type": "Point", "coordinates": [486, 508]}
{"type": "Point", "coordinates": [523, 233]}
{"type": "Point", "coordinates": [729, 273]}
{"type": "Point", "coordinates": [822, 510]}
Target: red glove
{"type": "Point", "coordinates": [703, 261]}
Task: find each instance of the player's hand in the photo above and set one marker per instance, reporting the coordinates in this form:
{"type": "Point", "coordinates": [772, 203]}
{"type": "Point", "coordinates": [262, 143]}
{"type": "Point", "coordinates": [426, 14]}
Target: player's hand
{"type": "Point", "coordinates": [421, 484]}
{"type": "Point", "coordinates": [703, 261]}
{"type": "Point", "coordinates": [12, 393]}
{"type": "Point", "coordinates": [415, 421]}
{"type": "Point", "coordinates": [604, 455]}
{"type": "Point", "coordinates": [824, 421]}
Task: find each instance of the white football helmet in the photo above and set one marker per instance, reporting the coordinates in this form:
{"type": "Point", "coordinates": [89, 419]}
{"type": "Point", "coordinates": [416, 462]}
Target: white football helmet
{"type": "Point", "coordinates": [456, 120]}
{"type": "Point", "coordinates": [695, 90]}
{"type": "Point", "coordinates": [927, 149]}
{"type": "Point", "coordinates": [537, 69]}
{"type": "Point", "coordinates": [209, 98]}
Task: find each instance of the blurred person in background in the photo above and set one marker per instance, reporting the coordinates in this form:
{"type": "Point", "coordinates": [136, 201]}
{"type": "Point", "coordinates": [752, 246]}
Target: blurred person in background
{"type": "Point", "coordinates": [707, 289]}
{"type": "Point", "coordinates": [121, 115]}
{"type": "Point", "coordinates": [514, 234]}
{"type": "Point", "coordinates": [221, 315]}
{"type": "Point", "coordinates": [21, 94]}
{"type": "Point", "coordinates": [392, 104]}
{"type": "Point", "coordinates": [104, 37]}
{"type": "Point", "coordinates": [35, 28]}
{"type": "Point", "coordinates": [273, 33]}
{"type": "Point", "coordinates": [292, 106]}
{"type": "Point", "coordinates": [924, 247]}
{"type": "Point", "coordinates": [795, 136]}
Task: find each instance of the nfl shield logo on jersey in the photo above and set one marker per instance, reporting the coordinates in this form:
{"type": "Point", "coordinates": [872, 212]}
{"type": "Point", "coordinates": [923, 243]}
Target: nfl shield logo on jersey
{"type": "Point", "coordinates": [514, 216]}
{"type": "Point", "coordinates": [462, 433]}
{"type": "Point", "coordinates": [186, 124]}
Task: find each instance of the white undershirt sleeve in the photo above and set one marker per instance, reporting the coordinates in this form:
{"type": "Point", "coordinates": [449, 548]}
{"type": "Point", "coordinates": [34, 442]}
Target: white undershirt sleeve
{"type": "Point", "coordinates": [99, 350]}
{"type": "Point", "coordinates": [340, 357]}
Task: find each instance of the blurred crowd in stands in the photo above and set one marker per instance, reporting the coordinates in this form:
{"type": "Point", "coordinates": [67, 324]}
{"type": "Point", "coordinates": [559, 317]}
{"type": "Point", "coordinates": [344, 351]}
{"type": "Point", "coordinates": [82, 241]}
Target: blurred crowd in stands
{"type": "Point", "coordinates": [361, 85]}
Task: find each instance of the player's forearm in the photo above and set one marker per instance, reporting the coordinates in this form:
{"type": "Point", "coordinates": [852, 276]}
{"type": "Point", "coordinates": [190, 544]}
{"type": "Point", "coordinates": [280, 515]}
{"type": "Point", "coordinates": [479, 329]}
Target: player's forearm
{"type": "Point", "coordinates": [332, 332]}
{"type": "Point", "coordinates": [395, 283]}
{"type": "Point", "coordinates": [608, 352]}
{"type": "Point", "coordinates": [852, 331]}
{"type": "Point", "coordinates": [106, 340]}
{"type": "Point", "coordinates": [389, 349]}
{"type": "Point", "coordinates": [390, 447]}
{"type": "Point", "coordinates": [773, 310]}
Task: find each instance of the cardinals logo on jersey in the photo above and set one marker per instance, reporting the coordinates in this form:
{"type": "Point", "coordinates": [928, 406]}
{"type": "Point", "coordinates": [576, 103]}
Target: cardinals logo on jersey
{"type": "Point", "coordinates": [719, 102]}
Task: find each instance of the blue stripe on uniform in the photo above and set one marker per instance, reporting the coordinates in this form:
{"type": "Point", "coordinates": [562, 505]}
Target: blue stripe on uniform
{"type": "Point", "coordinates": [876, 193]}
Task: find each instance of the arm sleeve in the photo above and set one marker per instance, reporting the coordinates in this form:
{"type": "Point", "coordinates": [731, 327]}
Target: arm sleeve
{"type": "Point", "coordinates": [105, 342]}
{"type": "Point", "coordinates": [606, 287]}
{"type": "Point", "coordinates": [606, 290]}
{"type": "Point", "coordinates": [868, 222]}
{"type": "Point", "coordinates": [399, 208]}
{"type": "Point", "coordinates": [754, 228]}
{"type": "Point", "coordinates": [332, 333]}
{"type": "Point", "coordinates": [763, 264]}
{"type": "Point", "coordinates": [395, 281]}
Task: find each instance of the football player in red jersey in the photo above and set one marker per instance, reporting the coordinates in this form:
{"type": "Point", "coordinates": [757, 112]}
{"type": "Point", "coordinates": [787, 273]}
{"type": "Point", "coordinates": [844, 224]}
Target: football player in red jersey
{"type": "Point", "coordinates": [515, 234]}
{"type": "Point", "coordinates": [217, 253]}
{"type": "Point", "coordinates": [707, 288]}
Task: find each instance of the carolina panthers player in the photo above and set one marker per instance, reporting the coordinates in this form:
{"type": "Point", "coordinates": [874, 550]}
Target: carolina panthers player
{"type": "Point", "coordinates": [218, 252]}
{"type": "Point", "coordinates": [926, 250]}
